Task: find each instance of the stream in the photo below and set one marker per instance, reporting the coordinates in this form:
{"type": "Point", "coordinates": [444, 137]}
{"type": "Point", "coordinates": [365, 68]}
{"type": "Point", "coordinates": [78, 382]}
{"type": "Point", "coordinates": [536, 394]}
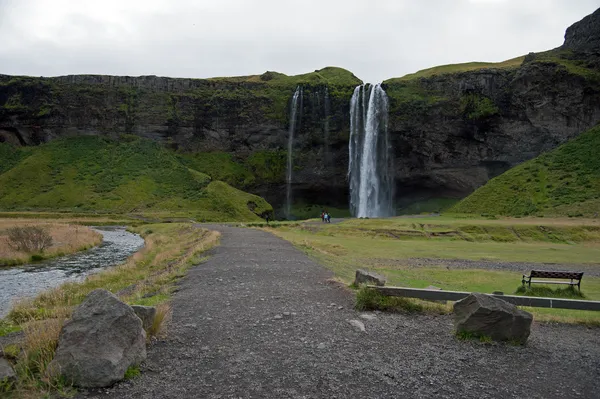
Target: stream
{"type": "Point", "coordinates": [31, 279]}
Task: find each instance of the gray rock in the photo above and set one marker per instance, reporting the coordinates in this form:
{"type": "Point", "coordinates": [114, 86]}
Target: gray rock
{"type": "Point", "coordinates": [366, 277]}
{"type": "Point", "coordinates": [6, 371]}
{"type": "Point", "coordinates": [358, 325]}
{"type": "Point", "coordinates": [368, 316]}
{"type": "Point", "coordinates": [146, 313]}
{"type": "Point", "coordinates": [103, 338]}
{"type": "Point", "coordinates": [486, 315]}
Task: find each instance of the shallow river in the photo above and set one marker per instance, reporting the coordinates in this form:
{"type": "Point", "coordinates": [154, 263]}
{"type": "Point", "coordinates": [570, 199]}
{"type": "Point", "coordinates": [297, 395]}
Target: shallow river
{"type": "Point", "coordinates": [28, 280]}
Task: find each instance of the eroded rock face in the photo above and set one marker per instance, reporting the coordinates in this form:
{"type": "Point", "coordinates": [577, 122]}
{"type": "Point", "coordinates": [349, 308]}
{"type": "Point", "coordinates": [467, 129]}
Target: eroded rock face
{"type": "Point", "coordinates": [103, 338]}
{"type": "Point", "coordinates": [486, 315]}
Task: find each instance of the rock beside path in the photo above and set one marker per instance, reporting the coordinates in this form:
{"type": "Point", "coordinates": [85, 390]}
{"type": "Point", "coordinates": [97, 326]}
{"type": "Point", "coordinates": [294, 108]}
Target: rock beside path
{"type": "Point", "coordinates": [103, 339]}
{"type": "Point", "coordinates": [482, 314]}
{"type": "Point", "coordinates": [366, 277]}
{"type": "Point", "coordinates": [146, 314]}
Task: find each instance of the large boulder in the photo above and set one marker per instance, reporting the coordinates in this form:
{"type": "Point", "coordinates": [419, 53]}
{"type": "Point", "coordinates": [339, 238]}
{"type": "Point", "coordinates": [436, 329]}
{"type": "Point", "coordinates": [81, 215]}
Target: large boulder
{"type": "Point", "coordinates": [482, 314]}
{"type": "Point", "coordinates": [366, 277]}
{"type": "Point", "coordinates": [103, 339]}
{"type": "Point", "coordinates": [146, 313]}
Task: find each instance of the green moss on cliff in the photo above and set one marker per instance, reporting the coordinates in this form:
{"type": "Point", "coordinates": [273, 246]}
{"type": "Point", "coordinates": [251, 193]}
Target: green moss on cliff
{"type": "Point", "coordinates": [409, 99]}
{"type": "Point", "coordinates": [475, 106]}
{"type": "Point", "coordinates": [562, 182]}
{"type": "Point", "coordinates": [574, 63]}
{"type": "Point", "coordinates": [130, 175]}
{"type": "Point", "coordinates": [268, 166]}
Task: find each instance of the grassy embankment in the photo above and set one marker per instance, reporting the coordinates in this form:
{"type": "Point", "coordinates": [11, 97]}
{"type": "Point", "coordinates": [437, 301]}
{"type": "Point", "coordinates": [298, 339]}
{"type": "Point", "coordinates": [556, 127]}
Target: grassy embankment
{"type": "Point", "coordinates": [146, 278]}
{"type": "Point", "coordinates": [66, 239]}
{"type": "Point", "coordinates": [389, 247]}
{"type": "Point", "coordinates": [129, 176]}
{"type": "Point", "coordinates": [564, 181]}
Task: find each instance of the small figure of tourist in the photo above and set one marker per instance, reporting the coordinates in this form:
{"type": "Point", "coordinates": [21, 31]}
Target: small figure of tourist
{"type": "Point", "coordinates": [327, 218]}
{"type": "Point", "coordinates": [323, 216]}
{"type": "Point", "coordinates": [267, 217]}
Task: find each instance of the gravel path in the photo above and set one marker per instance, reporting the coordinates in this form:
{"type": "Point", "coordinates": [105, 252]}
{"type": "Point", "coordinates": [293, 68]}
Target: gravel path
{"type": "Point", "coordinates": [259, 319]}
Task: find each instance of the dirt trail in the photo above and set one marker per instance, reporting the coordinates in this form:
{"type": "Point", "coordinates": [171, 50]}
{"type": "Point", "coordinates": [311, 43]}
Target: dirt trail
{"type": "Point", "coordinates": [259, 320]}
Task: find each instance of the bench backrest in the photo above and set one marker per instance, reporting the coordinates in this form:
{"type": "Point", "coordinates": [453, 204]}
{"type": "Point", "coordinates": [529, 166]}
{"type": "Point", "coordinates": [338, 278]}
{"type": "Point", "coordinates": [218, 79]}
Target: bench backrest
{"type": "Point", "coordinates": [554, 274]}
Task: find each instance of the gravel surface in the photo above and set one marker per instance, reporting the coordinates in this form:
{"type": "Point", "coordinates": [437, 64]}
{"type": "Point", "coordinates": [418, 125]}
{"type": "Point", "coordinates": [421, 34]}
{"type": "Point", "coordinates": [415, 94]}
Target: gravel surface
{"type": "Point", "coordinates": [259, 319]}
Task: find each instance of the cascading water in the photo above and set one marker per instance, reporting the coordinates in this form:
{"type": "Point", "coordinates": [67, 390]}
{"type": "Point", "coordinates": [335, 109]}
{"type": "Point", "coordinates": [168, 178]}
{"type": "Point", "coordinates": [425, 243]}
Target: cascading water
{"type": "Point", "coordinates": [370, 169]}
{"type": "Point", "coordinates": [296, 104]}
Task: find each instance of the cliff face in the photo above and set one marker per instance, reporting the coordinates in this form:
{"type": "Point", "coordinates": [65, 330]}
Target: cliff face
{"type": "Point", "coordinates": [246, 116]}
{"type": "Point", "coordinates": [453, 132]}
{"type": "Point", "coordinates": [452, 127]}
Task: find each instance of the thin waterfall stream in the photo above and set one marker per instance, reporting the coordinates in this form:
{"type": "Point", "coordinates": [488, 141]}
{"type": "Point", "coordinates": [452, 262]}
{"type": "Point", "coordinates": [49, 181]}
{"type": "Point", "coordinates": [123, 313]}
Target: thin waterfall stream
{"type": "Point", "coordinates": [295, 106]}
{"type": "Point", "coordinates": [370, 167]}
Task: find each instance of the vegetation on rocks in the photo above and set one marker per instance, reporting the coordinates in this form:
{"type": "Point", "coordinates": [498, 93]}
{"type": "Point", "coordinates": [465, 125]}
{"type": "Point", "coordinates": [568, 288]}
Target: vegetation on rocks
{"type": "Point", "coordinates": [562, 182]}
{"type": "Point", "coordinates": [131, 175]}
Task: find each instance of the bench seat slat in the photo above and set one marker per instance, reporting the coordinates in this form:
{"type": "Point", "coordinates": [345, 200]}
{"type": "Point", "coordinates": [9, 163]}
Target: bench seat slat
{"type": "Point", "coordinates": [553, 282]}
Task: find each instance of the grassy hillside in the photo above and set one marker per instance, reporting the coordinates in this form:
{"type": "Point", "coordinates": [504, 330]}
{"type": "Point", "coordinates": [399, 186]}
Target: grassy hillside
{"type": "Point", "coordinates": [128, 175]}
{"type": "Point", "coordinates": [463, 67]}
{"type": "Point", "coordinates": [562, 182]}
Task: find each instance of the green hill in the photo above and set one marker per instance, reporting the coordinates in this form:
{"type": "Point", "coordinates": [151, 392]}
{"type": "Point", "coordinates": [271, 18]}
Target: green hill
{"type": "Point", "coordinates": [129, 175]}
{"type": "Point", "coordinates": [562, 182]}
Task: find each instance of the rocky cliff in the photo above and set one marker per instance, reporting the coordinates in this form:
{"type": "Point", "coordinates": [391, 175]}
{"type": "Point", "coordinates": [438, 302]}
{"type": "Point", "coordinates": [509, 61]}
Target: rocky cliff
{"type": "Point", "coordinates": [452, 127]}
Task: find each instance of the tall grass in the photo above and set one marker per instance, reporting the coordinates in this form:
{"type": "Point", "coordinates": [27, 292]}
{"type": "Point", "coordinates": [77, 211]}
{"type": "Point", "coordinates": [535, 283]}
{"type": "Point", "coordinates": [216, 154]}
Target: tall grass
{"type": "Point", "coordinates": [66, 238]}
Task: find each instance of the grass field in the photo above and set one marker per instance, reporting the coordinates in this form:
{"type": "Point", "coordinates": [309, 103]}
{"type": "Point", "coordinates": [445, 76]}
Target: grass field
{"type": "Point", "coordinates": [67, 238]}
{"type": "Point", "coordinates": [463, 67]}
{"type": "Point", "coordinates": [389, 247]}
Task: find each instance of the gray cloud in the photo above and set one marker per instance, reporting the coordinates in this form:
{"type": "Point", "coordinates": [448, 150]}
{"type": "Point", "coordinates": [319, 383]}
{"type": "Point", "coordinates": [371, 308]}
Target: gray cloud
{"type": "Point", "coordinates": [375, 39]}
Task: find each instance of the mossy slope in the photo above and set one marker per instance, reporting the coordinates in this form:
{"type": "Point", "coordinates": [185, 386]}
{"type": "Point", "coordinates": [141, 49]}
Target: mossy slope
{"type": "Point", "coordinates": [126, 175]}
{"type": "Point", "coordinates": [562, 182]}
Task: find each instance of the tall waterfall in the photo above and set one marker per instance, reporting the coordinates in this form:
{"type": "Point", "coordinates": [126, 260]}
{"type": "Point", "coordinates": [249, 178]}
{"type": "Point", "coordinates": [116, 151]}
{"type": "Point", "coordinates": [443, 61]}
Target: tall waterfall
{"type": "Point", "coordinates": [296, 104]}
{"type": "Point", "coordinates": [370, 170]}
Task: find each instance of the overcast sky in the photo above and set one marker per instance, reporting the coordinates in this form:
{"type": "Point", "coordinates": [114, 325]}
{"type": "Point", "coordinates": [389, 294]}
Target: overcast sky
{"type": "Point", "coordinates": [375, 39]}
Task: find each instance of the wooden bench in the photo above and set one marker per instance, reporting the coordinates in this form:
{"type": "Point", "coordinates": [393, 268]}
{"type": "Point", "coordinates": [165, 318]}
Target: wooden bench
{"type": "Point", "coordinates": [573, 277]}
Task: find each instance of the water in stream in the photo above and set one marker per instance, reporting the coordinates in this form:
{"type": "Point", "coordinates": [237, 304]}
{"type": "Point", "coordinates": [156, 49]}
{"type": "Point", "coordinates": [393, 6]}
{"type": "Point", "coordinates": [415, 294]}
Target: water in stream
{"type": "Point", "coordinates": [29, 280]}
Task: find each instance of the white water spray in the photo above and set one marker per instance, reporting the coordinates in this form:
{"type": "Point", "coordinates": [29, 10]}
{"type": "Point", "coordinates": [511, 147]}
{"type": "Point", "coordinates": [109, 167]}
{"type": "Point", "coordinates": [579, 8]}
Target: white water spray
{"type": "Point", "coordinates": [370, 168]}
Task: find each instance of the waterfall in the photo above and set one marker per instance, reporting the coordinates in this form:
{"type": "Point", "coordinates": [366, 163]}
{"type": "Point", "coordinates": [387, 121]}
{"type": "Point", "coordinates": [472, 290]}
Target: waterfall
{"type": "Point", "coordinates": [370, 167]}
{"type": "Point", "coordinates": [327, 111]}
{"type": "Point", "coordinates": [296, 103]}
